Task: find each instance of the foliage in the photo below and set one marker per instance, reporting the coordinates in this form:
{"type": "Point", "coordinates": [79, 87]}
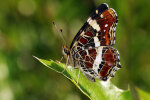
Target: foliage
{"type": "Point", "coordinates": [98, 90]}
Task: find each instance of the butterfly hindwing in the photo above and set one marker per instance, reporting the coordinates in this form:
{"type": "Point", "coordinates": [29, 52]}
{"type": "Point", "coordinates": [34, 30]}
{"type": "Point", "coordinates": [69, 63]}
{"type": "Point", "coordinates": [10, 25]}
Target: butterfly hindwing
{"type": "Point", "coordinates": [100, 62]}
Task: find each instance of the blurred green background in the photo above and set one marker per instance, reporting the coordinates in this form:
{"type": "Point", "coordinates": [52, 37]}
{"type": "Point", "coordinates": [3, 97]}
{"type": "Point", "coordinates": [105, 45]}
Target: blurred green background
{"type": "Point", "coordinates": [26, 29]}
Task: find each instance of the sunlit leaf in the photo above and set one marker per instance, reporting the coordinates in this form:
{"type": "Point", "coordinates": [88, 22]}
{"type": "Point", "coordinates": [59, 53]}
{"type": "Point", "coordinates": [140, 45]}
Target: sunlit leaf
{"type": "Point", "coordinates": [143, 95]}
{"type": "Point", "coordinates": [98, 90]}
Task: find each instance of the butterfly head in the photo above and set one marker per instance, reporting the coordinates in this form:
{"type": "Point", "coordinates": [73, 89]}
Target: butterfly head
{"type": "Point", "coordinates": [66, 50]}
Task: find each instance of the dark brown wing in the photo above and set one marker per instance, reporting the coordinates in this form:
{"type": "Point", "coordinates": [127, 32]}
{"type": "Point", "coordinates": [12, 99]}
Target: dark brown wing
{"type": "Point", "coordinates": [99, 29]}
{"type": "Point", "coordinates": [101, 62]}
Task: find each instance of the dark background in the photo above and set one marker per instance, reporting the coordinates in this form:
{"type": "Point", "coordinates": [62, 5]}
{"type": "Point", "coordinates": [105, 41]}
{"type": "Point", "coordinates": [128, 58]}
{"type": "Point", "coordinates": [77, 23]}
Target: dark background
{"type": "Point", "coordinates": [26, 29]}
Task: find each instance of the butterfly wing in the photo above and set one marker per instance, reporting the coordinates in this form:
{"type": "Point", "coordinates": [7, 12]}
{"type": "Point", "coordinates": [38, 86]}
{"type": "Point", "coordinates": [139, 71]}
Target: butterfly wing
{"type": "Point", "coordinates": [99, 29]}
{"type": "Point", "coordinates": [95, 38]}
{"type": "Point", "coordinates": [100, 62]}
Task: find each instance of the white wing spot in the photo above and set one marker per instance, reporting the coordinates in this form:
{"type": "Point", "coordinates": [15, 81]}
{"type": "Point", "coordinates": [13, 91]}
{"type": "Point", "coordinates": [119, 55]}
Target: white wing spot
{"type": "Point", "coordinates": [96, 41]}
{"type": "Point", "coordinates": [87, 52]}
{"type": "Point", "coordinates": [106, 25]}
{"type": "Point", "coordinates": [96, 11]}
{"type": "Point", "coordinates": [89, 20]}
{"type": "Point", "coordinates": [94, 24]}
{"type": "Point", "coordinates": [97, 44]}
{"type": "Point", "coordinates": [101, 16]}
{"type": "Point", "coordinates": [98, 59]}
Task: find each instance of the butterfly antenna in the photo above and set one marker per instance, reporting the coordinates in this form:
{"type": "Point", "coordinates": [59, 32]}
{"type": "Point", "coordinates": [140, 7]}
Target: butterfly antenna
{"type": "Point", "coordinates": [60, 32]}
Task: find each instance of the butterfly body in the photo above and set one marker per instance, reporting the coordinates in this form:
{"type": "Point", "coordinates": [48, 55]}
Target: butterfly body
{"type": "Point", "coordinates": [91, 50]}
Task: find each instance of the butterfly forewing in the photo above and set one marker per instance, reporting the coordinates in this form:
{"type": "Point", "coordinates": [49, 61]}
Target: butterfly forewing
{"type": "Point", "coordinates": [99, 29]}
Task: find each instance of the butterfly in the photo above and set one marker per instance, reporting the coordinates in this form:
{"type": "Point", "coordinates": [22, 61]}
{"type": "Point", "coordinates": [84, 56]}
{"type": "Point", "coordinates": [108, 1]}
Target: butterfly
{"type": "Point", "coordinates": [91, 50]}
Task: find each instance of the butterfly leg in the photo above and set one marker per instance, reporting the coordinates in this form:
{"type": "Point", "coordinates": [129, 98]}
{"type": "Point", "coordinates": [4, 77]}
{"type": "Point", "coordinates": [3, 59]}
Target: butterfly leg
{"type": "Point", "coordinates": [78, 77]}
{"type": "Point", "coordinates": [61, 59]}
{"type": "Point", "coordinates": [65, 65]}
{"type": "Point", "coordinates": [58, 61]}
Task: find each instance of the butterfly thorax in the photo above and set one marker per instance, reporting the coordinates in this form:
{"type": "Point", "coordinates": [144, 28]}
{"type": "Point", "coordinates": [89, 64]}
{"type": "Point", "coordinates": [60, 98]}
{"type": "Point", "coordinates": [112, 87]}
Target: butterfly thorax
{"type": "Point", "coordinates": [68, 55]}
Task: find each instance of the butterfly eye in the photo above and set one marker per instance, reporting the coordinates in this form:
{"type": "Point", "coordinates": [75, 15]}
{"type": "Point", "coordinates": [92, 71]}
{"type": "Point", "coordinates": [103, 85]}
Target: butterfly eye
{"type": "Point", "coordinates": [65, 50]}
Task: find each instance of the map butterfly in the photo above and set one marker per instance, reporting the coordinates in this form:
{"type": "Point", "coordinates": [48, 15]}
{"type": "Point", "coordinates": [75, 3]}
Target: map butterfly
{"type": "Point", "coordinates": [91, 51]}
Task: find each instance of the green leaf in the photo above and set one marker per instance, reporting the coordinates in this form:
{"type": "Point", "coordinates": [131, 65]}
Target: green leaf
{"type": "Point", "coordinates": [98, 90]}
{"type": "Point", "coordinates": [143, 95]}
